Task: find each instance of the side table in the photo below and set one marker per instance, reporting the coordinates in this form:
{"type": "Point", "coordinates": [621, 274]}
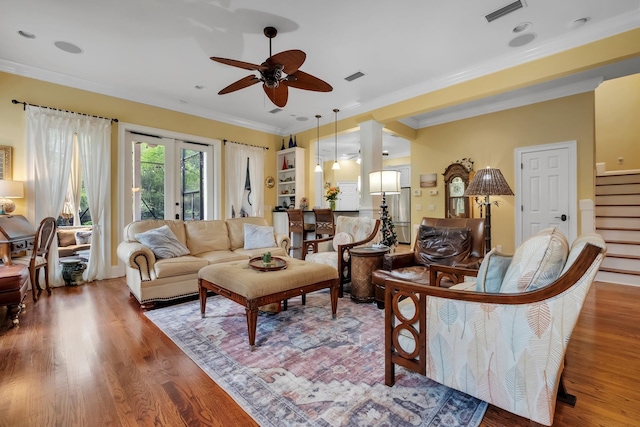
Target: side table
{"type": "Point", "coordinates": [363, 262]}
{"type": "Point", "coordinates": [72, 269]}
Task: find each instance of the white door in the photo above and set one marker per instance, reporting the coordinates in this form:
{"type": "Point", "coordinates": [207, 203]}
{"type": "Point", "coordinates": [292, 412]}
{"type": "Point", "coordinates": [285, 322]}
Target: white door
{"type": "Point", "coordinates": [171, 178]}
{"type": "Point", "coordinates": [546, 193]}
{"type": "Point", "coordinates": [348, 197]}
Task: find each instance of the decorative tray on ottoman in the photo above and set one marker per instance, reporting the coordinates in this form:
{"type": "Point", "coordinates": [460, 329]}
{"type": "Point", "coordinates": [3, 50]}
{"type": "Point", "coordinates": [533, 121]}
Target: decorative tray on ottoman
{"type": "Point", "coordinates": [276, 263]}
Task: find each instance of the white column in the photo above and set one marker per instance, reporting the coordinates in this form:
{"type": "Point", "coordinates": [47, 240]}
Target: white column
{"type": "Point", "coordinates": [371, 160]}
{"type": "Point", "coordinates": [587, 217]}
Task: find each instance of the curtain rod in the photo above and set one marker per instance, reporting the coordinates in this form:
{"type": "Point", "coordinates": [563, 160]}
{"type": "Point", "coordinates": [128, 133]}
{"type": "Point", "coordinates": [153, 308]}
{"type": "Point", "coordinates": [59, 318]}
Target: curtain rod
{"type": "Point", "coordinates": [242, 143]}
{"type": "Point", "coordinates": [24, 107]}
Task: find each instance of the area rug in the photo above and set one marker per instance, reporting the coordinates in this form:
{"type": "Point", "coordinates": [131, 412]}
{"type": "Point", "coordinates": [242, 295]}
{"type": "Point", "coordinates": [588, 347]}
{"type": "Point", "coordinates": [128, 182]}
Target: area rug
{"type": "Point", "coordinates": [310, 370]}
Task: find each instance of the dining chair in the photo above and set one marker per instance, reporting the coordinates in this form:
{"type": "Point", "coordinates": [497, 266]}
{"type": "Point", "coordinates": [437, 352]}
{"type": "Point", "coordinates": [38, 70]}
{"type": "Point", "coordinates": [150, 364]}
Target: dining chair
{"type": "Point", "coordinates": [39, 256]}
{"type": "Point", "coordinates": [325, 223]}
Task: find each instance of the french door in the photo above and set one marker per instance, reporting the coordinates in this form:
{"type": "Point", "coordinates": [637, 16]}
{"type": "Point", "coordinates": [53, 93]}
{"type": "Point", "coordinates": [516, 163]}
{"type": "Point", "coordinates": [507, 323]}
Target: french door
{"type": "Point", "coordinates": [171, 179]}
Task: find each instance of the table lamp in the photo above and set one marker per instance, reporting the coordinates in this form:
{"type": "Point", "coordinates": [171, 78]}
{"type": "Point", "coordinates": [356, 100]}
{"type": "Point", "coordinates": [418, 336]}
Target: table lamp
{"type": "Point", "coordinates": [382, 183]}
{"type": "Point", "coordinates": [488, 182]}
{"type": "Point", "coordinates": [9, 190]}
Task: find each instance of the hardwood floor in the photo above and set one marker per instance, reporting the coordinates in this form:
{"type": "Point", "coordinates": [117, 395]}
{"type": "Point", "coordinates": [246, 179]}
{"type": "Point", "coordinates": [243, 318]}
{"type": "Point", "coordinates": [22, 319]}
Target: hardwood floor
{"type": "Point", "coordinates": [88, 356]}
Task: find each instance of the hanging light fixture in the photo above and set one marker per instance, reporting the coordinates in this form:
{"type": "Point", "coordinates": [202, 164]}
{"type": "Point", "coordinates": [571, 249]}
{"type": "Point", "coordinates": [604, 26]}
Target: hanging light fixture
{"type": "Point", "coordinates": [318, 167]}
{"type": "Point", "coordinates": [336, 165]}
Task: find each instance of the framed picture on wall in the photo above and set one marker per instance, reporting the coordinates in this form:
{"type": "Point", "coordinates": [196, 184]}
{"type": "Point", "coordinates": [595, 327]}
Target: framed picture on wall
{"type": "Point", "coordinates": [5, 162]}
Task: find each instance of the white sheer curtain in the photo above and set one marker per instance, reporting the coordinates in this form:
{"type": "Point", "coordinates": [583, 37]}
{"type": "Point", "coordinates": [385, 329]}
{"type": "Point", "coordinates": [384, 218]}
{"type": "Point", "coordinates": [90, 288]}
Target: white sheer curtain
{"type": "Point", "coordinates": [94, 140]}
{"type": "Point", "coordinates": [236, 156]}
{"type": "Point", "coordinates": [49, 149]}
{"type": "Point", "coordinates": [74, 191]}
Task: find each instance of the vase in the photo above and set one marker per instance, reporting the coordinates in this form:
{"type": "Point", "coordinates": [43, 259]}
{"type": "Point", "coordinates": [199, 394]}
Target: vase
{"type": "Point", "coordinates": [332, 205]}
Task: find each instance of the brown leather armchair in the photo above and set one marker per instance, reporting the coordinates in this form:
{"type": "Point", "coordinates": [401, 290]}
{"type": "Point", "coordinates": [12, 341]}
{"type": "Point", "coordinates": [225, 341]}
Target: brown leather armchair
{"type": "Point", "coordinates": [414, 266]}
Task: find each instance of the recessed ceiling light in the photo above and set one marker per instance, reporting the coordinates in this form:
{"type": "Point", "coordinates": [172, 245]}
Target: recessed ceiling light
{"type": "Point", "coordinates": [182, 101]}
{"type": "Point", "coordinates": [579, 22]}
{"type": "Point", "coordinates": [27, 35]}
{"type": "Point", "coordinates": [520, 28]}
{"type": "Point", "coordinates": [199, 87]}
{"type": "Point", "coordinates": [302, 119]}
{"type": "Point", "coordinates": [522, 40]}
{"type": "Point", "coordinates": [68, 47]}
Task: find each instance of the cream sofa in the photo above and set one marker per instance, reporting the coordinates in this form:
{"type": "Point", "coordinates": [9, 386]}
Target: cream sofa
{"type": "Point", "coordinates": [209, 242]}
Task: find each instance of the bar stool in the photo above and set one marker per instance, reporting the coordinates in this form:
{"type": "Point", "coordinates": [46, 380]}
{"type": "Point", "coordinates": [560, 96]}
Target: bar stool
{"type": "Point", "coordinates": [298, 230]}
{"type": "Point", "coordinates": [325, 223]}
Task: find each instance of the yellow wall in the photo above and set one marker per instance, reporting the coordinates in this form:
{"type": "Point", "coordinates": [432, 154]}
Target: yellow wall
{"type": "Point", "coordinates": [618, 123]}
{"type": "Point", "coordinates": [12, 128]}
{"type": "Point", "coordinates": [490, 140]}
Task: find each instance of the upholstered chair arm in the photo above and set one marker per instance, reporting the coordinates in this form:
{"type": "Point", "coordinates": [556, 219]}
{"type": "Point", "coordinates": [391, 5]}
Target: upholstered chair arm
{"type": "Point", "coordinates": [137, 256]}
{"type": "Point", "coordinates": [397, 260]}
{"type": "Point", "coordinates": [283, 241]}
{"type": "Point", "coordinates": [314, 246]}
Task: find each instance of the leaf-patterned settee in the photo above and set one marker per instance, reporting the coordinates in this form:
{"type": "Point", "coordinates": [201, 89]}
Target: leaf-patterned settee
{"type": "Point", "coordinates": [503, 337]}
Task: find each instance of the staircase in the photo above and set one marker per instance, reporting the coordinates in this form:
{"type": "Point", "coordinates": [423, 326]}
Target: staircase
{"type": "Point", "coordinates": [617, 215]}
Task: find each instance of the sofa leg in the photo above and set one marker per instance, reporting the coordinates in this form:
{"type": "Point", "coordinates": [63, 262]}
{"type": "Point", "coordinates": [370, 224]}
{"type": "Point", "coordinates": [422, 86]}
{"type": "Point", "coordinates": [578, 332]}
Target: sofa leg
{"type": "Point", "coordinates": [563, 396]}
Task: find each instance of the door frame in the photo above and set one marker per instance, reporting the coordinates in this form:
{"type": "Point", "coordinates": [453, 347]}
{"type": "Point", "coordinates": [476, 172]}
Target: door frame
{"type": "Point", "coordinates": [125, 171]}
{"type": "Point", "coordinates": [572, 168]}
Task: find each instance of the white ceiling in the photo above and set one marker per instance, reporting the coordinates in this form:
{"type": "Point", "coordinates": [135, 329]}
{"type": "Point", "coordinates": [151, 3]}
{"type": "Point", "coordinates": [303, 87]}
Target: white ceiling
{"type": "Point", "coordinates": [157, 51]}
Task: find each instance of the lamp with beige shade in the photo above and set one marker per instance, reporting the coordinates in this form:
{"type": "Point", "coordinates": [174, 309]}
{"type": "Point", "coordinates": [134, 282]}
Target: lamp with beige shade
{"type": "Point", "coordinates": [10, 190]}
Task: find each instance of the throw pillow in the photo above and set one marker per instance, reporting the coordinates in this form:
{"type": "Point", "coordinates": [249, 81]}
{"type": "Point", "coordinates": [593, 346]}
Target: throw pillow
{"type": "Point", "coordinates": [258, 236]}
{"type": "Point", "coordinates": [162, 242]}
{"type": "Point", "coordinates": [66, 237]}
{"type": "Point", "coordinates": [492, 271]}
{"type": "Point", "coordinates": [442, 245]}
{"type": "Point", "coordinates": [341, 239]}
{"type": "Point", "coordinates": [83, 237]}
{"type": "Point", "coordinates": [537, 262]}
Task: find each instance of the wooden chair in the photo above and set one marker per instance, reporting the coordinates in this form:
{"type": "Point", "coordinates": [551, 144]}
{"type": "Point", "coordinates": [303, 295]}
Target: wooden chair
{"type": "Point", "coordinates": [504, 336]}
{"type": "Point", "coordinates": [325, 223]}
{"type": "Point", "coordinates": [39, 255]}
{"type": "Point", "coordinates": [298, 230]}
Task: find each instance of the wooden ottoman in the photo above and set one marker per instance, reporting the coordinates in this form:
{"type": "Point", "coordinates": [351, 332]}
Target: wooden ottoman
{"type": "Point", "coordinates": [13, 289]}
{"type": "Point", "coordinates": [252, 288]}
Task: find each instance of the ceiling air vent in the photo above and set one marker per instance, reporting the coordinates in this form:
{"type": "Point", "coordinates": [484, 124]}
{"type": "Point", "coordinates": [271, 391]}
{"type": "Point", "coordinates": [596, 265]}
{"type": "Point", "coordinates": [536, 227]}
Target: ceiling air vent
{"type": "Point", "coordinates": [505, 10]}
{"type": "Point", "coordinates": [354, 76]}
{"type": "Point", "coordinates": [275, 110]}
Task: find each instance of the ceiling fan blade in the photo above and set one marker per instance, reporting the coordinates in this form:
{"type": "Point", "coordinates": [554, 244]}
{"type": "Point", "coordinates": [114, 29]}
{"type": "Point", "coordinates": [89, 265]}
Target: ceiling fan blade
{"type": "Point", "coordinates": [239, 64]}
{"type": "Point", "coordinates": [302, 80]}
{"type": "Point", "coordinates": [291, 60]}
{"type": "Point", "coordinates": [240, 84]}
{"type": "Point", "coordinates": [278, 95]}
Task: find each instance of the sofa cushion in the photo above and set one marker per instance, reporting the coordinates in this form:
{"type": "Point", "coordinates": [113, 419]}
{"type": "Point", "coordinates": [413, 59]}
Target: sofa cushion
{"type": "Point", "coordinates": [179, 266]}
{"type": "Point", "coordinates": [492, 271]}
{"type": "Point", "coordinates": [66, 236]}
{"type": "Point", "coordinates": [327, 258]}
{"type": "Point", "coordinates": [207, 235]}
{"type": "Point", "coordinates": [175, 225]}
{"type": "Point", "coordinates": [441, 245]}
{"type": "Point", "coordinates": [258, 236]}
{"type": "Point", "coordinates": [341, 238]}
{"type": "Point", "coordinates": [416, 274]}
{"type": "Point", "coordinates": [162, 242]}
{"type": "Point", "coordinates": [578, 245]}
{"type": "Point", "coordinates": [537, 262]}
{"type": "Point", "coordinates": [216, 257]}
{"type": "Point", "coordinates": [83, 237]}
{"type": "Point", "coordinates": [235, 226]}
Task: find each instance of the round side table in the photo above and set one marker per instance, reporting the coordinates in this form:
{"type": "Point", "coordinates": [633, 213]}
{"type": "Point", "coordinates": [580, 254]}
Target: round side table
{"type": "Point", "coordinates": [363, 262]}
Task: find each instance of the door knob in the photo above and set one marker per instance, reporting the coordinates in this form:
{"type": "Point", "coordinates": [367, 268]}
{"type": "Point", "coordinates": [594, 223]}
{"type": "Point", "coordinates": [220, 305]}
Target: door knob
{"type": "Point", "coordinates": [562, 217]}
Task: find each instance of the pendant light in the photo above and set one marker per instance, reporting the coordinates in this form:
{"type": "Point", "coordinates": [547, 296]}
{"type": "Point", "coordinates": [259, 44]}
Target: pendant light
{"type": "Point", "coordinates": [318, 167]}
{"type": "Point", "coordinates": [336, 165]}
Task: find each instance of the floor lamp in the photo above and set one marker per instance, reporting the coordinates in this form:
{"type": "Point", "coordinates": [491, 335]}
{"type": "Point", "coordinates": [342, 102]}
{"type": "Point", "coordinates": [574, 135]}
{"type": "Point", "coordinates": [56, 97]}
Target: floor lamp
{"type": "Point", "coordinates": [381, 183]}
{"type": "Point", "coordinates": [488, 182]}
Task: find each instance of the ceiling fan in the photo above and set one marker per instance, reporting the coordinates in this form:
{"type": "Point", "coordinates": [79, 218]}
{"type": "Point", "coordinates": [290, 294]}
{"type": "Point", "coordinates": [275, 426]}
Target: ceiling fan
{"type": "Point", "coordinates": [277, 73]}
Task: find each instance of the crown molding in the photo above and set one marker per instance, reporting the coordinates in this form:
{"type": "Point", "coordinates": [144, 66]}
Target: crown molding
{"type": "Point", "coordinates": [519, 101]}
{"type": "Point", "coordinates": [78, 83]}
